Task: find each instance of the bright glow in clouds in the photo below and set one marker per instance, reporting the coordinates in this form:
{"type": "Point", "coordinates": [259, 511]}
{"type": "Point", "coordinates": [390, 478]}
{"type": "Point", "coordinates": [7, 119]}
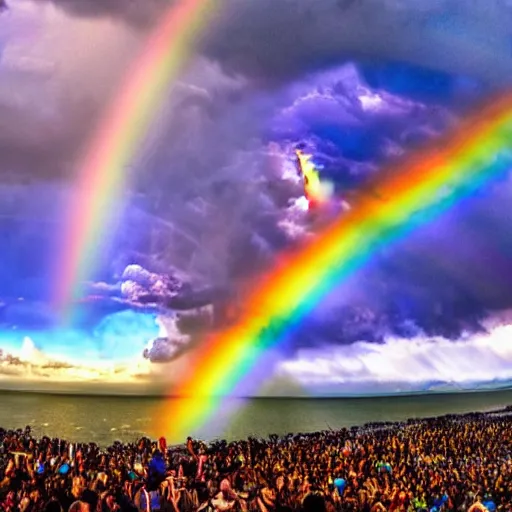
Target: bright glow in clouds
{"type": "Point", "coordinates": [118, 337]}
{"type": "Point", "coordinates": [316, 191]}
{"type": "Point", "coordinates": [111, 353]}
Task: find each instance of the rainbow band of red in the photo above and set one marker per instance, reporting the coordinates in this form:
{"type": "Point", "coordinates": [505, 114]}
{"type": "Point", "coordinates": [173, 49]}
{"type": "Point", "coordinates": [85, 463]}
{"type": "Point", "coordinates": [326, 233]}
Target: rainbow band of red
{"type": "Point", "coordinates": [403, 199]}
{"type": "Point", "coordinates": [102, 173]}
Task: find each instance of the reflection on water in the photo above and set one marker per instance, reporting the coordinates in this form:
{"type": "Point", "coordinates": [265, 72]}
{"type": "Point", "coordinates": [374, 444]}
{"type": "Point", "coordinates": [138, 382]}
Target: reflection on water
{"type": "Point", "coordinates": [105, 419]}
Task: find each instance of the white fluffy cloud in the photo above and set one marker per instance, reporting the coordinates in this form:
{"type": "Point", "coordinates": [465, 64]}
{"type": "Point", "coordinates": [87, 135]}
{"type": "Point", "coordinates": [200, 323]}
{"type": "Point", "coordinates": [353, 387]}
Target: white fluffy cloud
{"type": "Point", "coordinates": [405, 365]}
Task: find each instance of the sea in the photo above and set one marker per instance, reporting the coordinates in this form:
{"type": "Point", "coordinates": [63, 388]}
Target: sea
{"type": "Point", "coordinates": [105, 419]}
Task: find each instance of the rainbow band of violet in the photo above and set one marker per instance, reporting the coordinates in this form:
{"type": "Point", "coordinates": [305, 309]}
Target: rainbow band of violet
{"type": "Point", "coordinates": [102, 173]}
{"type": "Point", "coordinates": [403, 198]}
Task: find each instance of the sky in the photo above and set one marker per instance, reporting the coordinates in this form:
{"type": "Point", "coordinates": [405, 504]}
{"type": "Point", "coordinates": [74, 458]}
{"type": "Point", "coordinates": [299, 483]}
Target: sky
{"type": "Point", "coordinates": [214, 195]}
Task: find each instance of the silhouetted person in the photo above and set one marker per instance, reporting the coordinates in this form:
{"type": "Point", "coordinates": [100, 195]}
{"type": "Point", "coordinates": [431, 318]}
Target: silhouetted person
{"type": "Point", "coordinates": [313, 503]}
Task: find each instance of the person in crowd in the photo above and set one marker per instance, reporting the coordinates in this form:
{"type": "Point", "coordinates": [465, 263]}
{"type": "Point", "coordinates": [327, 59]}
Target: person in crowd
{"type": "Point", "coordinates": [448, 464]}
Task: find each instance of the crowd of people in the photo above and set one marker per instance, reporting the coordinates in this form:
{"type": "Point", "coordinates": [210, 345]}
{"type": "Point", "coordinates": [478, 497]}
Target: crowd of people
{"type": "Point", "coordinates": [453, 463]}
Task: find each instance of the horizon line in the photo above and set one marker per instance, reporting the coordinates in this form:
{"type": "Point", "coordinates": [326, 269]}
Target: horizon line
{"type": "Point", "coordinates": [391, 395]}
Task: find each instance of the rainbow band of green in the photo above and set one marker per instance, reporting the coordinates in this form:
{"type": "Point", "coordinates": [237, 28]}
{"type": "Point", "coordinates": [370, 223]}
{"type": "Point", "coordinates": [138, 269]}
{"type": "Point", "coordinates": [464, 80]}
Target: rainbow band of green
{"type": "Point", "coordinates": [404, 199]}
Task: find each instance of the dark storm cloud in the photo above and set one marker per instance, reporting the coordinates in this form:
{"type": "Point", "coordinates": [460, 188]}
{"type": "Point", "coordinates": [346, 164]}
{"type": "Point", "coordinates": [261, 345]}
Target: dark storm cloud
{"type": "Point", "coordinates": [449, 276]}
{"type": "Point", "coordinates": [31, 147]}
{"type": "Point", "coordinates": [273, 41]}
{"type": "Point", "coordinates": [186, 332]}
{"type": "Point", "coordinates": [276, 40]}
{"type": "Point", "coordinates": [217, 193]}
{"type": "Point", "coordinates": [140, 13]}
{"type": "Point", "coordinates": [54, 85]}
{"type": "Point", "coordinates": [165, 350]}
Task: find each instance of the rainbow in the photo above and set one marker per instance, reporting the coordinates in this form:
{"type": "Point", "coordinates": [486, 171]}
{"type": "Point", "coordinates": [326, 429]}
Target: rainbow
{"type": "Point", "coordinates": [402, 199]}
{"type": "Point", "coordinates": [102, 173]}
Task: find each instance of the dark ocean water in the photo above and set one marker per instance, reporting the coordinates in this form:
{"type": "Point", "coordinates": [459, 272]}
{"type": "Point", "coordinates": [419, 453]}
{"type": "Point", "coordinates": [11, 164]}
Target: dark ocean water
{"type": "Point", "coordinates": [105, 419]}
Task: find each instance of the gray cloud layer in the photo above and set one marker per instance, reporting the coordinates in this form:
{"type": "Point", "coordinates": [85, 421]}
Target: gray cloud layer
{"type": "Point", "coordinates": [139, 13]}
{"type": "Point", "coordinates": [271, 40]}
